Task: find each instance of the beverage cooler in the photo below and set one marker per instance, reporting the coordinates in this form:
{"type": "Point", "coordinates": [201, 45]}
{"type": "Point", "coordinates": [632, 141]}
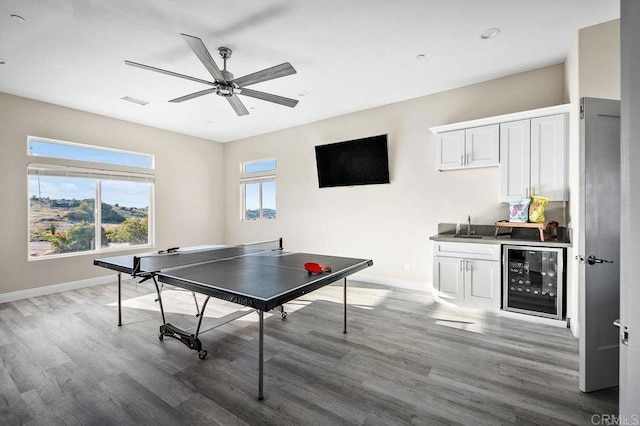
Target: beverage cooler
{"type": "Point", "coordinates": [533, 281]}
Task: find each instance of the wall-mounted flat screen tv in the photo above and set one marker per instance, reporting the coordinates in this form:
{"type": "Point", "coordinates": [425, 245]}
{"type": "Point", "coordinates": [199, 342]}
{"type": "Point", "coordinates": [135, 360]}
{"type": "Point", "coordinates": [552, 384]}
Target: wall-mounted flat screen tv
{"type": "Point", "coordinates": [356, 162]}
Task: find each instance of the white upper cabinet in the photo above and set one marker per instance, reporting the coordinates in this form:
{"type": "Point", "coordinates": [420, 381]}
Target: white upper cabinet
{"type": "Point", "coordinates": [475, 147]}
{"type": "Point", "coordinates": [530, 147]}
{"type": "Point", "coordinates": [549, 157]}
{"type": "Point", "coordinates": [450, 150]}
{"type": "Point", "coordinates": [515, 150]}
{"type": "Point", "coordinates": [482, 146]}
{"type": "Point", "coordinates": [533, 158]}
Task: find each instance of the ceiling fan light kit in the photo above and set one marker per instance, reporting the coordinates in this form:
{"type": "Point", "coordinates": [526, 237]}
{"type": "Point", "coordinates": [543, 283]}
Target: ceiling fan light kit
{"type": "Point", "coordinates": [224, 84]}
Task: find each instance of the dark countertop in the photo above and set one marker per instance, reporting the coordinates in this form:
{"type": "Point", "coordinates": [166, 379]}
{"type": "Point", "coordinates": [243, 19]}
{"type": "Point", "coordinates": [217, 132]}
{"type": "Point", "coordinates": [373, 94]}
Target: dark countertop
{"type": "Point", "coordinates": [483, 234]}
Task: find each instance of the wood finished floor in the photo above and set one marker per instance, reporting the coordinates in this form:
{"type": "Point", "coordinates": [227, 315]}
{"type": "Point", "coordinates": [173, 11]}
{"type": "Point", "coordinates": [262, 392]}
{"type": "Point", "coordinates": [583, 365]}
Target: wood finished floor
{"type": "Point", "coordinates": [405, 360]}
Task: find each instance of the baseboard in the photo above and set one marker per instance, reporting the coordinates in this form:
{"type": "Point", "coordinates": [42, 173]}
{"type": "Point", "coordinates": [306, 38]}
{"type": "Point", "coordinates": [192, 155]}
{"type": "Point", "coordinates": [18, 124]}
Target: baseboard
{"type": "Point", "coordinates": [575, 328]}
{"type": "Point", "coordinates": [74, 285]}
{"type": "Point", "coordinates": [392, 282]}
{"type": "Point", "coordinates": [55, 288]}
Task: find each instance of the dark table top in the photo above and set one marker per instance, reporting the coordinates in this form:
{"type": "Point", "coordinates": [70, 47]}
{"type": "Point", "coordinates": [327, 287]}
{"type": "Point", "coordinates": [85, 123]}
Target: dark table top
{"type": "Point", "coordinates": [262, 280]}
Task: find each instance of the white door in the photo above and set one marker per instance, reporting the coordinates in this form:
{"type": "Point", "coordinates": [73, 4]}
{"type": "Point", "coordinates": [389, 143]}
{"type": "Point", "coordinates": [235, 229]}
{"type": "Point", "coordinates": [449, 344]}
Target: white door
{"type": "Point", "coordinates": [549, 157]}
{"type": "Point", "coordinates": [515, 159]}
{"type": "Point", "coordinates": [448, 277]}
{"type": "Point", "coordinates": [629, 241]}
{"type": "Point", "coordinates": [449, 150]}
{"type": "Point", "coordinates": [599, 284]}
{"type": "Point", "coordinates": [482, 146]}
{"type": "Point", "coordinates": [482, 279]}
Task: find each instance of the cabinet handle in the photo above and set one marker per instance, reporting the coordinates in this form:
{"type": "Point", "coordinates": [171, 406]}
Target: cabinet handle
{"type": "Point", "coordinates": [527, 193]}
{"type": "Point", "coordinates": [467, 266]}
{"type": "Point", "coordinates": [466, 159]}
{"type": "Point", "coordinates": [460, 264]}
{"type": "Point", "coordinates": [462, 160]}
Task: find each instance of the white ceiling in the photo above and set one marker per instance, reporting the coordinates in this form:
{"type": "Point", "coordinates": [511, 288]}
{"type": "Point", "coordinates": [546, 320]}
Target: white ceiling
{"type": "Point", "coordinates": [350, 54]}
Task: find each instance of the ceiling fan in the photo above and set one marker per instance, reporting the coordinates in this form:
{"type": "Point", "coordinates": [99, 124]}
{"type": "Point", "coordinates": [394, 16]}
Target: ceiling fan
{"type": "Point", "coordinates": [224, 84]}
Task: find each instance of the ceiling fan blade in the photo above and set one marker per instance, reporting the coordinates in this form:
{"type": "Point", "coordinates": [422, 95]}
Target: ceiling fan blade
{"type": "Point", "coordinates": [237, 105]}
{"type": "Point", "coordinates": [203, 54]}
{"type": "Point", "coordinates": [266, 74]}
{"type": "Point", "coordinates": [193, 95]}
{"type": "Point", "coordinates": [174, 74]}
{"type": "Point", "coordinates": [281, 100]}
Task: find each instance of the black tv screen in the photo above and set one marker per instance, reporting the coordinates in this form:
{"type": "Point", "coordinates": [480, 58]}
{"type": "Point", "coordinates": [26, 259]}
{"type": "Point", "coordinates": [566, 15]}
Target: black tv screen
{"type": "Point", "coordinates": [357, 162]}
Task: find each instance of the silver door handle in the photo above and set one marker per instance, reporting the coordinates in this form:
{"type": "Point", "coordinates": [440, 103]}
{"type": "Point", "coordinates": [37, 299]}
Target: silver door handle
{"type": "Point", "coordinates": [624, 332]}
{"type": "Point", "coordinates": [462, 160]}
{"type": "Point", "coordinates": [592, 260]}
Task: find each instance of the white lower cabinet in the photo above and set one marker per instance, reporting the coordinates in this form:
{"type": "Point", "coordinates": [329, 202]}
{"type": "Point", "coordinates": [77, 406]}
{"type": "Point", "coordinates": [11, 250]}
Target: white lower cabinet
{"type": "Point", "coordinates": [468, 274]}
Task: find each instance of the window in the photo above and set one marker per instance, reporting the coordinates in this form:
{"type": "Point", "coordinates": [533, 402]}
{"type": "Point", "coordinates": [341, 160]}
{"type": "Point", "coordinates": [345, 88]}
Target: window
{"type": "Point", "coordinates": [258, 189]}
{"type": "Point", "coordinates": [67, 182]}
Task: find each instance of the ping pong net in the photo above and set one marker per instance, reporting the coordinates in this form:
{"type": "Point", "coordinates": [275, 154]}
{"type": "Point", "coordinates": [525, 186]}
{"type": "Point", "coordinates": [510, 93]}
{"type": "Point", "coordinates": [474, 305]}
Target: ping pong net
{"type": "Point", "coordinates": [149, 264]}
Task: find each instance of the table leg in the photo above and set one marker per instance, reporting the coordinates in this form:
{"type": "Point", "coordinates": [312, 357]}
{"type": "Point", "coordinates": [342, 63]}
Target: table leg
{"type": "Point", "coordinates": [155, 282]}
{"type": "Point", "coordinates": [260, 354]}
{"type": "Point", "coordinates": [119, 299]}
{"type": "Point", "coordinates": [345, 306]}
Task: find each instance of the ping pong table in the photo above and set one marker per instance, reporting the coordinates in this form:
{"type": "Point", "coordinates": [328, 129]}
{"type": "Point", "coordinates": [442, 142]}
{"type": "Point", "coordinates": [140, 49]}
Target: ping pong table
{"type": "Point", "coordinates": [261, 276]}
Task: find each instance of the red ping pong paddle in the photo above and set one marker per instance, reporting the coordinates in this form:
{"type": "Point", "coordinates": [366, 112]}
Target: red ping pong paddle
{"type": "Point", "coordinates": [316, 268]}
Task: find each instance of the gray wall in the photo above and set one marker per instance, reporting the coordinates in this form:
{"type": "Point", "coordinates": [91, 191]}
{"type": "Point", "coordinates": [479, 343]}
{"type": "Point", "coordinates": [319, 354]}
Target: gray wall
{"type": "Point", "coordinates": [391, 223]}
{"type": "Point", "coordinates": [188, 194]}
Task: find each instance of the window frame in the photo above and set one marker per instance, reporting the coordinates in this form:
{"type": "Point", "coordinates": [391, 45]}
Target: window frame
{"type": "Point", "coordinates": [260, 177]}
{"type": "Point", "coordinates": [40, 165]}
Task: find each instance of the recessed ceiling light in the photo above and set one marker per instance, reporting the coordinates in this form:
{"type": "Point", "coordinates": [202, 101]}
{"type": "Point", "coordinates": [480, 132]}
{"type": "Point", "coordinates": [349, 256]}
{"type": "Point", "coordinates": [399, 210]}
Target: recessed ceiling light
{"type": "Point", "coordinates": [303, 93]}
{"type": "Point", "coordinates": [134, 100]}
{"type": "Point", "coordinates": [490, 33]}
{"type": "Point", "coordinates": [421, 56]}
{"type": "Point", "coordinates": [208, 121]}
{"type": "Point", "coordinates": [18, 18]}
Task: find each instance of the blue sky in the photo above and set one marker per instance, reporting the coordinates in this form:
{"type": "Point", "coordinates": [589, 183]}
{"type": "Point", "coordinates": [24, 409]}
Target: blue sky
{"type": "Point", "coordinates": [76, 152]}
{"type": "Point", "coordinates": [124, 193]}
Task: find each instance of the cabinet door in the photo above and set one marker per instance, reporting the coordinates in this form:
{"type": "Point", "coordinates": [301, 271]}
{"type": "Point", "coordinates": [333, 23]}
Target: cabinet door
{"type": "Point", "coordinates": [482, 146]}
{"type": "Point", "coordinates": [449, 150]}
{"type": "Point", "coordinates": [515, 154]}
{"type": "Point", "coordinates": [549, 156]}
{"type": "Point", "coordinates": [448, 277]}
{"type": "Point", "coordinates": [482, 283]}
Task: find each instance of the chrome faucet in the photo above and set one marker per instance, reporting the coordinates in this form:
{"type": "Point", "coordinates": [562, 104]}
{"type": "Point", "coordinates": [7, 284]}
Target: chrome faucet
{"type": "Point", "coordinates": [468, 225]}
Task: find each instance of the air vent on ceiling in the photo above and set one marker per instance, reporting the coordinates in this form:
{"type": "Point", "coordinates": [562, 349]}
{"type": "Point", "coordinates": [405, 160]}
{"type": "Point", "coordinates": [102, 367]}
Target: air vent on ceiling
{"type": "Point", "coordinates": [134, 100]}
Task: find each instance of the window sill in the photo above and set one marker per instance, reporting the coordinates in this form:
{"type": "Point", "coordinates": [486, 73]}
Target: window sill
{"type": "Point", "coordinates": [108, 250]}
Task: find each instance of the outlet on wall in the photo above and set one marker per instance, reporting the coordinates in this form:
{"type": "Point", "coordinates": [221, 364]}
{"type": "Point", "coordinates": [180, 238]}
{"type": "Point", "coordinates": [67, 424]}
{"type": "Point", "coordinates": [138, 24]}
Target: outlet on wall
{"type": "Point", "coordinates": [407, 266]}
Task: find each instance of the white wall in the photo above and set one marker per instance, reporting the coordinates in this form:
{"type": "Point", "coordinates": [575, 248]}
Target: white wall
{"type": "Point", "coordinates": [390, 223]}
{"type": "Point", "coordinates": [189, 192]}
